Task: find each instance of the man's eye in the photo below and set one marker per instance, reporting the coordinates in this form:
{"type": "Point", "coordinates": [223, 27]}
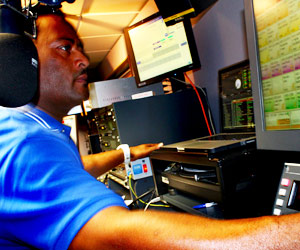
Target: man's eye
{"type": "Point", "coordinates": [65, 48]}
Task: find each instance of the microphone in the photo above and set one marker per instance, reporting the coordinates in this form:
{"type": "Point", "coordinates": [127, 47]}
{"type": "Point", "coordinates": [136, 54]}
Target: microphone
{"type": "Point", "coordinates": [18, 58]}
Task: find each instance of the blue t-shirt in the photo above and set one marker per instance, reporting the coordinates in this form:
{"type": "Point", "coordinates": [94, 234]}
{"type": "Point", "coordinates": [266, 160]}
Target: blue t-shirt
{"type": "Point", "coordinates": [45, 194]}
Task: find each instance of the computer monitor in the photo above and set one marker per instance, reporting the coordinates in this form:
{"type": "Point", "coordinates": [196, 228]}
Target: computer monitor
{"type": "Point", "coordinates": [236, 101]}
{"type": "Point", "coordinates": [273, 37]}
{"type": "Point", "coordinates": [157, 51]}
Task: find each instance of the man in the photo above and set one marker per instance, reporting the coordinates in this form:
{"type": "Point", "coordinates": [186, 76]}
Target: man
{"type": "Point", "coordinates": [41, 170]}
{"type": "Point", "coordinates": [49, 202]}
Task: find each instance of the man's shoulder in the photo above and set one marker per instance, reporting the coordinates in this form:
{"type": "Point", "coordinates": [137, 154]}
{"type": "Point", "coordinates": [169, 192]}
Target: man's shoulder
{"type": "Point", "coordinates": [18, 128]}
{"type": "Point", "coordinates": [13, 121]}
{"type": "Point", "coordinates": [23, 137]}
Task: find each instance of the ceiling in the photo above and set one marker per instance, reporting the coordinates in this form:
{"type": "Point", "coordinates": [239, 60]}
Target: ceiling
{"type": "Point", "coordinates": [100, 23]}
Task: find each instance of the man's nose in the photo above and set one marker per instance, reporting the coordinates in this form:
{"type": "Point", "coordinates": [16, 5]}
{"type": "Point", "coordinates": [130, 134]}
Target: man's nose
{"type": "Point", "coordinates": [82, 61]}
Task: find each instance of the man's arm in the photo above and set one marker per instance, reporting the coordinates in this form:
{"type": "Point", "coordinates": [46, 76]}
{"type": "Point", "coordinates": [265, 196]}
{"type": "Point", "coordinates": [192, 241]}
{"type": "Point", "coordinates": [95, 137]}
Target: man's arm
{"type": "Point", "coordinates": [97, 164]}
{"type": "Point", "coordinates": [118, 228]}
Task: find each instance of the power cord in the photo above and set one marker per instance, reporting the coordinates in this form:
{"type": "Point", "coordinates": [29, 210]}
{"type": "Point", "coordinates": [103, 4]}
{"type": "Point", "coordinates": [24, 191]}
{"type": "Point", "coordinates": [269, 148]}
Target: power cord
{"type": "Point", "coordinates": [157, 199]}
{"type": "Point", "coordinates": [140, 200]}
{"type": "Point", "coordinates": [143, 195]}
{"type": "Point", "coordinates": [210, 124]}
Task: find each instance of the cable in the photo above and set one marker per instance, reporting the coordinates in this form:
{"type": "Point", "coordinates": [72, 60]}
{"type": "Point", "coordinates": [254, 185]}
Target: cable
{"type": "Point", "coordinates": [199, 98]}
{"type": "Point", "coordinates": [151, 197]}
{"type": "Point", "coordinates": [203, 110]}
{"type": "Point", "coordinates": [157, 199]}
{"type": "Point", "coordinates": [143, 195]}
{"type": "Point", "coordinates": [130, 186]}
{"type": "Point", "coordinates": [208, 110]}
{"type": "Point", "coordinates": [152, 191]}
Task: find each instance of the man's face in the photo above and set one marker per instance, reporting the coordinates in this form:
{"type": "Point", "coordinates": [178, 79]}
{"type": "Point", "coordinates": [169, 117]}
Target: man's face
{"type": "Point", "coordinates": [63, 80]}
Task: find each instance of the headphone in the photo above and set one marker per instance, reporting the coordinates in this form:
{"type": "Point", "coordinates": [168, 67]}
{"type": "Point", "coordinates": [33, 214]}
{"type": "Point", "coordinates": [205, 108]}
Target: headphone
{"type": "Point", "coordinates": [18, 55]}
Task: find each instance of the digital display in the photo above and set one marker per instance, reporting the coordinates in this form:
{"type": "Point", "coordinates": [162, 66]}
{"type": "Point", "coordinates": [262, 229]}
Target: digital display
{"type": "Point", "coordinates": [158, 51]}
{"type": "Point", "coordinates": [236, 97]}
{"type": "Point", "coordinates": [277, 24]}
{"type": "Point", "coordinates": [159, 48]}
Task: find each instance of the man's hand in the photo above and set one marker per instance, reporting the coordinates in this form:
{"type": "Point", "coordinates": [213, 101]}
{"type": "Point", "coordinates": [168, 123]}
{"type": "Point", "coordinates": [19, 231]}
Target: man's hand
{"type": "Point", "coordinates": [143, 150]}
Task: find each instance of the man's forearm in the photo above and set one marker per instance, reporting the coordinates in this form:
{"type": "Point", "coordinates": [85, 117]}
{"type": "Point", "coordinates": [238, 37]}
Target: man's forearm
{"type": "Point", "coordinates": [98, 164]}
{"type": "Point", "coordinates": [117, 228]}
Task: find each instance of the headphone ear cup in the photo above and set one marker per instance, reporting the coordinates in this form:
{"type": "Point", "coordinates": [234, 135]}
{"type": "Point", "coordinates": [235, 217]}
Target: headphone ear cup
{"type": "Point", "coordinates": [18, 70]}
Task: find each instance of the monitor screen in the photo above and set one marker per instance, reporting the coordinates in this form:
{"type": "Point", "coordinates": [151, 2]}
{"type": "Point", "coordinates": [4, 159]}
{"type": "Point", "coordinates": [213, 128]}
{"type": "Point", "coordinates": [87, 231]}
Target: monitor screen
{"type": "Point", "coordinates": [273, 37]}
{"type": "Point", "coordinates": [157, 51]}
{"type": "Point", "coordinates": [236, 101]}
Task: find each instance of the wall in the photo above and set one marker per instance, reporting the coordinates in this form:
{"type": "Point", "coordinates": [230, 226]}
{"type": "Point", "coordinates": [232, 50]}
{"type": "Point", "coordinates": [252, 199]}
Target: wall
{"type": "Point", "coordinates": [221, 41]}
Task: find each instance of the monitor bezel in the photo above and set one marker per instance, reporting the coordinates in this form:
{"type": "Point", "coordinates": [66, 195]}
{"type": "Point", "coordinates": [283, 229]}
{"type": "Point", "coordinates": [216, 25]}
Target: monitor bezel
{"type": "Point", "coordinates": [132, 62]}
{"type": "Point", "coordinates": [281, 140]}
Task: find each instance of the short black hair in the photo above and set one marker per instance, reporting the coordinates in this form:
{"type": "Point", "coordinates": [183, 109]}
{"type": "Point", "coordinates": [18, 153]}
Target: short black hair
{"type": "Point", "coordinates": [43, 9]}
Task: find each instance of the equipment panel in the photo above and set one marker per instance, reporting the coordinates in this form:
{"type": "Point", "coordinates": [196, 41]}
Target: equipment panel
{"type": "Point", "coordinates": [288, 195]}
{"type": "Point", "coordinates": [107, 128]}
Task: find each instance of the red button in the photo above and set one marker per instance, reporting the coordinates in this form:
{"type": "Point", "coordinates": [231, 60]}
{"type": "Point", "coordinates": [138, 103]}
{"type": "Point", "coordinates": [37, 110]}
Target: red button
{"type": "Point", "coordinates": [285, 182]}
{"type": "Point", "coordinates": [145, 168]}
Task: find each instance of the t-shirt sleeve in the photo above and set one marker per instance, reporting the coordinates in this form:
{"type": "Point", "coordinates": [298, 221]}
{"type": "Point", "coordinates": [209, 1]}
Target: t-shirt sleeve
{"type": "Point", "coordinates": [49, 196]}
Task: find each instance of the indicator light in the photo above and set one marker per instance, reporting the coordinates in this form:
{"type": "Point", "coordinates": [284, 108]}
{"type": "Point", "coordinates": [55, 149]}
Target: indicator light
{"type": "Point", "coordinates": [285, 182]}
